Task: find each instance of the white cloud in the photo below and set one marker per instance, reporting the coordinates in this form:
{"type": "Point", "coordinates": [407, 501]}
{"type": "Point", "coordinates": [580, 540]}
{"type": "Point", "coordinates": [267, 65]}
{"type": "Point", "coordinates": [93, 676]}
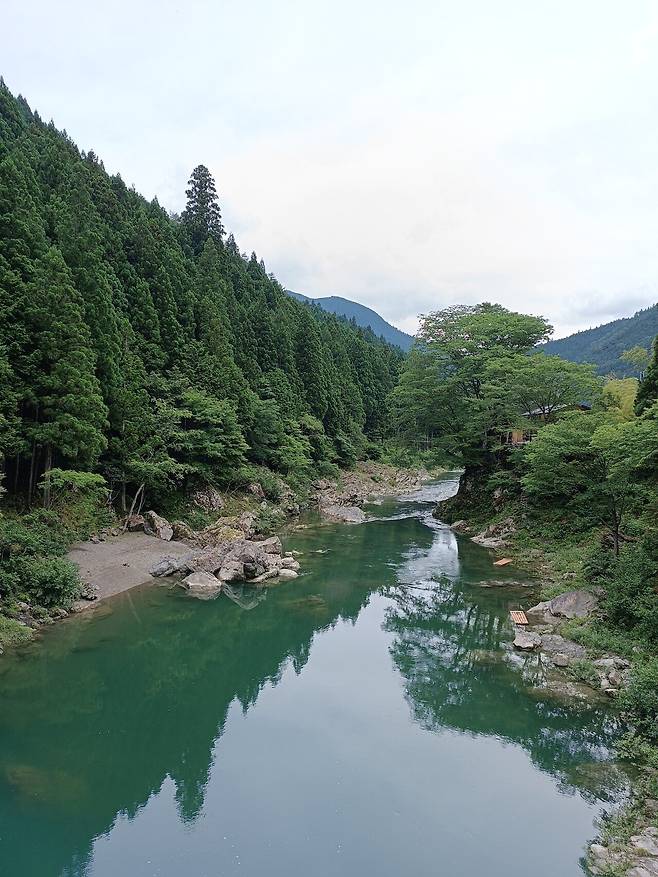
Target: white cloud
{"type": "Point", "coordinates": [407, 157]}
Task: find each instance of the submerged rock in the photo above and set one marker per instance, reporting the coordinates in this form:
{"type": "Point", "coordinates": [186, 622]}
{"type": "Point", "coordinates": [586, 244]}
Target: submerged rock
{"type": "Point", "coordinates": [202, 585]}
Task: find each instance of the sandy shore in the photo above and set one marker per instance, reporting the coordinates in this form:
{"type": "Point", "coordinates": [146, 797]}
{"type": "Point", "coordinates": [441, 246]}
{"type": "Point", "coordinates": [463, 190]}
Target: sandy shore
{"type": "Point", "coordinates": [121, 562]}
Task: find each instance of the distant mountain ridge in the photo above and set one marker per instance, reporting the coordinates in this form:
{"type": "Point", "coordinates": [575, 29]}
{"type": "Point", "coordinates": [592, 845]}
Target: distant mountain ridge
{"type": "Point", "coordinates": [604, 344]}
{"type": "Point", "coordinates": [363, 316]}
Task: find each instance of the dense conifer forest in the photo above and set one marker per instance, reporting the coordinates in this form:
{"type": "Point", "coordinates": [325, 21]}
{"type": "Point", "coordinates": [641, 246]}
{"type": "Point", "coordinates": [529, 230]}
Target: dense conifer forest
{"type": "Point", "coordinates": [147, 348]}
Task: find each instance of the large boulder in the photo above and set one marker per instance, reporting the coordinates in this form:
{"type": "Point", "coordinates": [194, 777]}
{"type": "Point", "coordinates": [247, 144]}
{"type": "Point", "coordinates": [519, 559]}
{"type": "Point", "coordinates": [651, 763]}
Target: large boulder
{"type": "Point", "coordinates": [202, 585]}
{"type": "Point", "coordinates": [170, 566]}
{"type": "Point", "coordinates": [158, 526]}
{"type": "Point", "coordinates": [209, 499]}
{"type": "Point", "coordinates": [135, 523]}
{"type": "Point", "coordinates": [573, 604]}
{"type": "Point", "coordinates": [346, 514]}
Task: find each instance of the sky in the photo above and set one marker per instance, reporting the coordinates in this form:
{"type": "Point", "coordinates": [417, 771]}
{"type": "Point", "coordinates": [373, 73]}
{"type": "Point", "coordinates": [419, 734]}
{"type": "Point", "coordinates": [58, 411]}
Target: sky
{"type": "Point", "coordinates": [406, 155]}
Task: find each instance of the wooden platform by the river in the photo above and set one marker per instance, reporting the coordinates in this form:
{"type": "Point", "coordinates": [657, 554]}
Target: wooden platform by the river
{"type": "Point", "coordinates": [518, 617]}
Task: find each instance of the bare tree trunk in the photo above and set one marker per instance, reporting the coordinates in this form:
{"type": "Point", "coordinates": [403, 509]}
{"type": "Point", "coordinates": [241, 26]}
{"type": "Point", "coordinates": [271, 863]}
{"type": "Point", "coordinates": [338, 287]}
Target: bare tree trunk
{"type": "Point", "coordinates": [123, 496]}
{"type": "Point", "coordinates": [30, 486]}
{"type": "Point", "coordinates": [46, 480]}
{"type": "Point", "coordinates": [18, 467]}
{"type": "Point", "coordinates": [140, 489]}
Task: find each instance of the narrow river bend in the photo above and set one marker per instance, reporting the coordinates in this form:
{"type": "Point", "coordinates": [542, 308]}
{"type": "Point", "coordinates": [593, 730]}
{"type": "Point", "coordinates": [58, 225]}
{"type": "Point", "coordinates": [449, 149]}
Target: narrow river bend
{"type": "Point", "coordinates": [347, 724]}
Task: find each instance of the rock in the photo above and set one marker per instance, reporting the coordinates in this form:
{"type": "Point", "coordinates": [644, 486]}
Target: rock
{"type": "Point", "coordinates": [553, 644]}
{"type": "Point", "coordinates": [645, 844]}
{"type": "Point", "coordinates": [135, 523]}
{"type": "Point", "coordinates": [89, 592]}
{"type": "Point", "coordinates": [645, 870]}
{"type": "Point", "coordinates": [183, 531]}
{"type": "Point", "coordinates": [208, 498]}
{"type": "Point", "coordinates": [561, 660]}
{"type": "Point", "coordinates": [94, 538]}
{"type": "Point", "coordinates": [343, 513]}
{"type": "Point", "coordinates": [246, 523]}
{"type": "Point", "coordinates": [496, 535]}
{"type": "Point", "coordinates": [290, 563]}
{"type": "Point", "coordinates": [256, 490]}
{"type": "Point", "coordinates": [202, 585]}
{"type": "Point", "coordinates": [573, 604]}
{"type": "Point", "coordinates": [612, 692]}
{"type": "Point", "coordinates": [288, 574]}
{"type": "Point", "coordinates": [158, 526]}
{"type": "Point", "coordinates": [232, 571]}
{"type": "Point", "coordinates": [272, 545]}
{"type": "Point", "coordinates": [526, 641]}
{"type": "Point", "coordinates": [605, 664]}
{"type": "Point", "coordinates": [460, 527]}
{"type": "Point", "coordinates": [616, 678]}
{"type": "Point", "coordinates": [603, 860]}
{"type": "Point", "coordinates": [169, 566]}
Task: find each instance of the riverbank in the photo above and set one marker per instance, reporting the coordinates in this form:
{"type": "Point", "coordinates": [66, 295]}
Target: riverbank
{"type": "Point", "coordinates": [391, 619]}
{"type": "Point", "coordinates": [567, 630]}
{"type": "Point", "coordinates": [113, 560]}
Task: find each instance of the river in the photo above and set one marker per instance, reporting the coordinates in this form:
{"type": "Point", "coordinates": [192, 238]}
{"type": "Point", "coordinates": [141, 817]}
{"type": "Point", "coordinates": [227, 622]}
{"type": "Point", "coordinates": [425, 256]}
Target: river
{"type": "Point", "coordinates": [346, 724]}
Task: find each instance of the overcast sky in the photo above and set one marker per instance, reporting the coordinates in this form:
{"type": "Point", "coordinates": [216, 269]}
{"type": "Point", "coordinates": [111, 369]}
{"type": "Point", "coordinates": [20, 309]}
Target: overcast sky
{"type": "Point", "coordinates": [408, 155]}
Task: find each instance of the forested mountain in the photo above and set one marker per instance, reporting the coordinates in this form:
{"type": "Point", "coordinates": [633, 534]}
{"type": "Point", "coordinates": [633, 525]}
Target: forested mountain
{"type": "Point", "coordinates": [362, 316]}
{"type": "Point", "coordinates": [148, 348]}
{"type": "Point", "coordinates": [604, 345]}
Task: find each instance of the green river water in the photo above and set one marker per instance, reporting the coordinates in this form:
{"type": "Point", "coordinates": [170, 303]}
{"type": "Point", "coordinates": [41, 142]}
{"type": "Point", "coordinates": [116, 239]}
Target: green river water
{"type": "Point", "coordinates": [345, 725]}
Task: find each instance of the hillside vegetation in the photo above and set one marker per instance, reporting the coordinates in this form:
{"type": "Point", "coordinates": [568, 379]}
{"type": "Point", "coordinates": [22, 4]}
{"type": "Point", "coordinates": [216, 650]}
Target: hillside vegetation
{"type": "Point", "coordinates": [359, 315]}
{"type": "Point", "coordinates": [604, 345]}
{"type": "Point", "coordinates": [143, 352]}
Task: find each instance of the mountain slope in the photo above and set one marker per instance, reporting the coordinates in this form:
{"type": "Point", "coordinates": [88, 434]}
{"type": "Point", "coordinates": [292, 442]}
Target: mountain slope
{"type": "Point", "coordinates": [604, 345]}
{"type": "Point", "coordinates": [363, 316]}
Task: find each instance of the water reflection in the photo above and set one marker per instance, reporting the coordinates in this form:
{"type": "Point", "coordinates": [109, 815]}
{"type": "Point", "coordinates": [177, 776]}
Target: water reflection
{"type": "Point", "coordinates": [107, 709]}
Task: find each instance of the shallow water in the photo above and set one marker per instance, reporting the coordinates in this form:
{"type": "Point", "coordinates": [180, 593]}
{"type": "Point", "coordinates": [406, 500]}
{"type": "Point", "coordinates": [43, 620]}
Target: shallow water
{"type": "Point", "coordinates": [367, 718]}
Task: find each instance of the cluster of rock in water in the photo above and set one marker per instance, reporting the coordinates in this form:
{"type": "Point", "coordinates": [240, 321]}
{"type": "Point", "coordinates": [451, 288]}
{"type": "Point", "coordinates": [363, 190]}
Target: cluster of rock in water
{"type": "Point", "coordinates": [227, 551]}
{"type": "Point", "coordinates": [612, 670]}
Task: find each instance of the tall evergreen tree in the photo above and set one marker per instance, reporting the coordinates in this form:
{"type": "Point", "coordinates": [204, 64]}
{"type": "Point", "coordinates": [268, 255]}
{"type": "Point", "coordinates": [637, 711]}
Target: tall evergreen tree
{"type": "Point", "coordinates": [202, 217]}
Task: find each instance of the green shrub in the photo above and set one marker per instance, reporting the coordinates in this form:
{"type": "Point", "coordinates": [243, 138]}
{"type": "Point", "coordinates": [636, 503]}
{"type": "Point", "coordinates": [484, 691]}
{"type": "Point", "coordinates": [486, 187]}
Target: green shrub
{"type": "Point", "coordinates": [631, 599]}
{"type": "Point", "coordinates": [584, 671]}
{"type": "Point", "coordinates": [12, 633]}
{"type": "Point", "coordinates": [639, 700]}
{"type": "Point", "coordinates": [48, 581]}
{"type": "Point", "coordinates": [268, 521]}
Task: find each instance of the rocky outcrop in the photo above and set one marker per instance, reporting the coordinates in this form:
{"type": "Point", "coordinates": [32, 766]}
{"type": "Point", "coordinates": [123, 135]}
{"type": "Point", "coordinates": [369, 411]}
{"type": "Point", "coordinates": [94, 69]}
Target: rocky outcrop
{"type": "Point", "coordinates": [209, 499]}
{"type": "Point", "coordinates": [573, 604]}
{"type": "Point", "coordinates": [233, 560]}
{"type": "Point", "coordinates": [346, 514]}
{"type": "Point", "coordinates": [461, 526]}
{"type": "Point", "coordinates": [497, 535]}
{"type": "Point", "coordinates": [155, 525]}
{"type": "Point", "coordinates": [342, 501]}
{"type": "Point", "coordinates": [637, 858]}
